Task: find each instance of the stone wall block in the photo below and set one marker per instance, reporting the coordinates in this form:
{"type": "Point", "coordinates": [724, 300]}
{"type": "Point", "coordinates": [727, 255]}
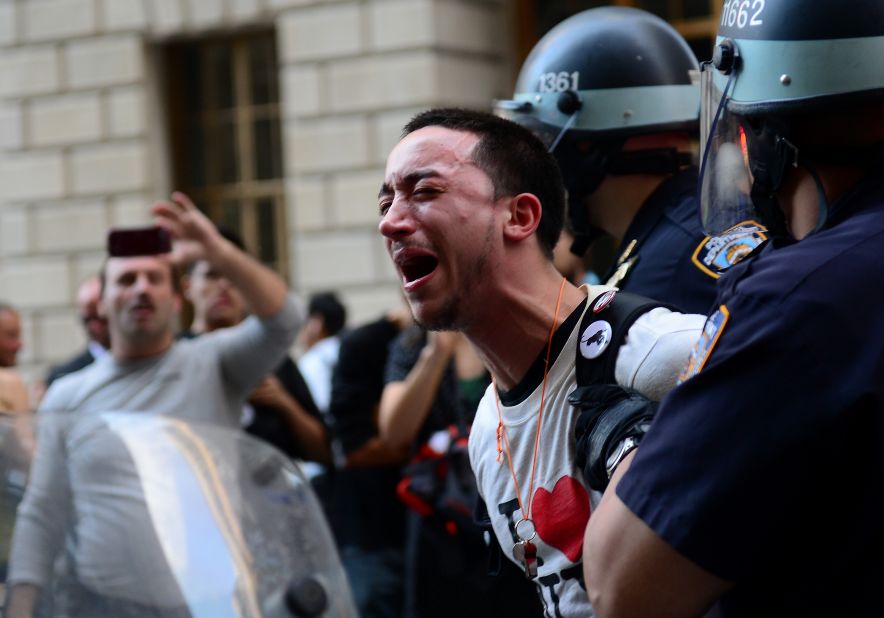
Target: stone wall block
{"type": "Point", "coordinates": [400, 24]}
{"type": "Point", "coordinates": [471, 28]}
{"type": "Point", "coordinates": [14, 231]}
{"type": "Point", "coordinates": [383, 82]}
{"type": "Point", "coordinates": [470, 82]}
{"type": "Point", "coordinates": [85, 265]}
{"type": "Point", "coordinates": [53, 20]}
{"type": "Point", "coordinates": [301, 90]}
{"type": "Point", "coordinates": [306, 203]}
{"type": "Point", "coordinates": [354, 198]}
{"type": "Point", "coordinates": [30, 176]}
{"type": "Point", "coordinates": [109, 168]}
{"type": "Point", "coordinates": [124, 15]}
{"type": "Point", "coordinates": [70, 226]}
{"type": "Point", "coordinates": [166, 16]}
{"type": "Point", "coordinates": [318, 259]}
{"type": "Point", "coordinates": [28, 71]}
{"type": "Point", "coordinates": [368, 303]}
{"type": "Point", "coordinates": [326, 145]}
{"type": "Point", "coordinates": [106, 61]}
{"type": "Point", "coordinates": [240, 9]}
{"type": "Point", "coordinates": [36, 282]}
{"type": "Point", "coordinates": [127, 112]}
{"type": "Point", "coordinates": [11, 123]}
{"type": "Point", "coordinates": [387, 128]}
{"type": "Point", "coordinates": [7, 23]}
{"type": "Point", "coordinates": [130, 210]}
{"type": "Point", "coordinates": [204, 13]}
{"type": "Point", "coordinates": [67, 119]}
{"type": "Point", "coordinates": [322, 32]}
{"type": "Point", "coordinates": [284, 4]}
{"type": "Point", "coordinates": [60, 335]}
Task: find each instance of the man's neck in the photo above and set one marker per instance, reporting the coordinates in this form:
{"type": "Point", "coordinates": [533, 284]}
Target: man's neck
{"type": "Point", "coordinates": [134, 351]}
{"type": "Point", "coordinates": [514, 326]}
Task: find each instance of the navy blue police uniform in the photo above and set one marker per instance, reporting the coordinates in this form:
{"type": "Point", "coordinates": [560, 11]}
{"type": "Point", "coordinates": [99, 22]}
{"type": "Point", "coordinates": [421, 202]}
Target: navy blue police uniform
{"type": "Point", "coordinates": [663, 251]}
{"type": "Point", "coordinates": [765, 466]}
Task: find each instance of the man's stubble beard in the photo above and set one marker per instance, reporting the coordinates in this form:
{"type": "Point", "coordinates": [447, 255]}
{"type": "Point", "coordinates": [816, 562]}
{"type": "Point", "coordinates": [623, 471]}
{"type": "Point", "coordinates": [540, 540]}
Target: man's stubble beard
{"type": "Point", "coordinates": [455, 315]}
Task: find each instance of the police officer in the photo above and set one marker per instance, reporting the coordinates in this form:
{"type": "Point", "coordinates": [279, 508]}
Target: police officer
{"type": "Point", "coordinates": [761, 481]}
{"type": "Point", "coordinates": [610, 91]}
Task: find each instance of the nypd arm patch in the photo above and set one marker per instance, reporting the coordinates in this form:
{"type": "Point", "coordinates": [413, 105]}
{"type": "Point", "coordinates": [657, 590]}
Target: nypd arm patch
{"type": "Point", "coordinates": [712, 330]}
{"type": "Point", "coordinates": [715, 254]}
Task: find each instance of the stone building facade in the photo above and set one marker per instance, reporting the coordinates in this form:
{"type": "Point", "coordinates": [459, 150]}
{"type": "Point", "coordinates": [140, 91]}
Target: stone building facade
{"type": "Point", "coordinates": [84, 142]}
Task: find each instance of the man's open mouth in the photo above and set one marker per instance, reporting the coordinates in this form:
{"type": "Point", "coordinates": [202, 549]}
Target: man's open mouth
{"type": "Point", "coordinates": [414, 266]}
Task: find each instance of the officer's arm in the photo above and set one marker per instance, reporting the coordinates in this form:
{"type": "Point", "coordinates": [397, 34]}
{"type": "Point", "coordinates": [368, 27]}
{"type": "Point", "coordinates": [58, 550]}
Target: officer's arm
{"type": "Point", "coordinates": [630, 571]}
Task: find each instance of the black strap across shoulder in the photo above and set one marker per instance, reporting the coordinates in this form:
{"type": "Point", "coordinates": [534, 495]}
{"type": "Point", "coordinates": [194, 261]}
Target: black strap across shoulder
{"type": "Point", "coordinates": [621, 312]}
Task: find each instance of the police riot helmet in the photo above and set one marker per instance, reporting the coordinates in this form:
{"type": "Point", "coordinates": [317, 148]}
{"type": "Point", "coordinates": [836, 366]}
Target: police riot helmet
{"type": "Point", "coordinates": [775, 63]}
{"type": "Point", "coordinates": [596, 79]}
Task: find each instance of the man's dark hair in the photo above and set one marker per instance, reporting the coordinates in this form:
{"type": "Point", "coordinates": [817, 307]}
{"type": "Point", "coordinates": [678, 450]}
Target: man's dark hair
{"type": "Point", "coordinates": [333, 312]}
{"type": "Point", "coordinates": [515, 160]}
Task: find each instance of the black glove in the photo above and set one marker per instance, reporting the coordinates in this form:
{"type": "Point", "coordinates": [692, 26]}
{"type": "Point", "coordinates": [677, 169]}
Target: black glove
{"type": "Point", "coordinates": [609, 414]}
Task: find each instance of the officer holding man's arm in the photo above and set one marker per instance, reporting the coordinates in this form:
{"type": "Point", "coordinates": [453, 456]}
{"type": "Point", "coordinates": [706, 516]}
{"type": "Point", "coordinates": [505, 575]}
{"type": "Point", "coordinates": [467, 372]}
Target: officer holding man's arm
{"type": "Point", "coordinates": [760, 484]}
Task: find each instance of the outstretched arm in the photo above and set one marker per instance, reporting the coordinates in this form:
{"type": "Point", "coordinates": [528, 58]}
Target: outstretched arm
{"type": "Point", "coordinates": [197, 238]}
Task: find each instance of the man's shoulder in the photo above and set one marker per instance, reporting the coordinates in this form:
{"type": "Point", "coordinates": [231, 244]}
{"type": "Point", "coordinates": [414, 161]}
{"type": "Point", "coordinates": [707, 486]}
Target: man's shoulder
{"type": "Point", "coordinates": [74, 363]}
{"type": "Point", "coordinates": [62, 390]}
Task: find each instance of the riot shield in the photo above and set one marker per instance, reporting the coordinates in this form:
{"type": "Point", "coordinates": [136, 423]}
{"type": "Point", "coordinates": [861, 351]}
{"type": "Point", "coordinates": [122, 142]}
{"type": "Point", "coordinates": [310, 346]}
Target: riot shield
{"type": "Point", "coordinates": [134, 515]}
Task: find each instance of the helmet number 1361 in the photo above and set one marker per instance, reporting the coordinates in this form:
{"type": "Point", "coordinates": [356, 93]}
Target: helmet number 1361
{"type": "Point", "coordinates": [559, 82]}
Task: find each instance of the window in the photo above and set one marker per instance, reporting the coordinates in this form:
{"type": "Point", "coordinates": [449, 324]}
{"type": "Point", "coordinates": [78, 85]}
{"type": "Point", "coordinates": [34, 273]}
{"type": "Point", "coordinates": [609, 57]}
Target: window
{"type": "Point", "coordinates": [225, 132]}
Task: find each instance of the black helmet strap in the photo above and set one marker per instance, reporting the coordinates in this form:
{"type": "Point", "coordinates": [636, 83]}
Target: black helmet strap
{"type": "Point", "coordinates": [586, 167]}
{"type": "Point", "coordinates": [657, 161]}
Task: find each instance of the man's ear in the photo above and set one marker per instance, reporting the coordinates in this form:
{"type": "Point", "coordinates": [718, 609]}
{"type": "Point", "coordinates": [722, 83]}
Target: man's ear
{"type": "Point", "coordinates": [524, 212]}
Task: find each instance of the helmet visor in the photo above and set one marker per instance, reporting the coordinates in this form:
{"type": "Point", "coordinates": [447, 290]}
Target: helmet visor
{"type": "Point", "coordinates": [529, 116]}
{"type": "Point", "coordinates": [725, 174]}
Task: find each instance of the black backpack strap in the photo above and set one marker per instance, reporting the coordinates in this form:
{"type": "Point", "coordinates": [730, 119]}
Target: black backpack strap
{"type": "Point", "coordinates": [608, 414]}
{"type": "Point", "coordinates": [619, 310]}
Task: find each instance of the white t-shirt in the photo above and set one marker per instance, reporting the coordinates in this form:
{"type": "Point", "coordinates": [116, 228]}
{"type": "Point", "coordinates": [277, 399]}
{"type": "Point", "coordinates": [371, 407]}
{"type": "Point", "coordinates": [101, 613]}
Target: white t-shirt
{"type": "Point", "coordinates": [655, 350]}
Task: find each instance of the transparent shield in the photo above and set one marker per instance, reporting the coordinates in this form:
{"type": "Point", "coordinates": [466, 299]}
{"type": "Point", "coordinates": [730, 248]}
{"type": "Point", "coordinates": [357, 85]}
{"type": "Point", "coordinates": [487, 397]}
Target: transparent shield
{"type": "Point", "coordinates": [131, 515]}
{"type": "Point", "coordinates": [725, 176]}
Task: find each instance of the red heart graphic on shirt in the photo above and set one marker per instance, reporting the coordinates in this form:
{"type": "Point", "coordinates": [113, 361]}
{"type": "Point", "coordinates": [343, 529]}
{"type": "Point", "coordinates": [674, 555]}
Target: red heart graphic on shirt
{"type": "Point", "coordinates": [561, 516]}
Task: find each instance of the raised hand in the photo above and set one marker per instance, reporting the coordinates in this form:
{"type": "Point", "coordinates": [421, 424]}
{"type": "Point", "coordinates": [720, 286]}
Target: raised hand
{"type": "Point", "coordinates": [193, 234]}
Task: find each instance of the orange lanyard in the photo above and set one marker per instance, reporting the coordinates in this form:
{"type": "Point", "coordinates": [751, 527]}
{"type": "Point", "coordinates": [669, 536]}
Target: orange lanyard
{"type": "Point", "coordinates": [502, 435]}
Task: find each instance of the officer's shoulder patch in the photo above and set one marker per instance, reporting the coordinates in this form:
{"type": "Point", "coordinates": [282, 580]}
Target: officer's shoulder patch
{"type": "Point", "coordinates": [715, 254]}
{"type": "Point", "coordinates": [712, 330]}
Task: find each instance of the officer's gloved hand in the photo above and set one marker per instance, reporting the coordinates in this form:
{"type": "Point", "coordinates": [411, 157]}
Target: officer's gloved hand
{"type": "Point", "coordinates": [612, 421]}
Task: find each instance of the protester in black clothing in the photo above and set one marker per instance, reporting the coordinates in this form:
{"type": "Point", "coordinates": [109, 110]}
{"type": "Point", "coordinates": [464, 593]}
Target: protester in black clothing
{"type": "Point", "coordinates": [366, 516]}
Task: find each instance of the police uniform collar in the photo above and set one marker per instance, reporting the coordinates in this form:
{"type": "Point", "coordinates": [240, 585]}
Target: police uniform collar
{"type": "Point", "coordinates": [653, 209]}
{"type": "Point", "coordinates": [846, 204]}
